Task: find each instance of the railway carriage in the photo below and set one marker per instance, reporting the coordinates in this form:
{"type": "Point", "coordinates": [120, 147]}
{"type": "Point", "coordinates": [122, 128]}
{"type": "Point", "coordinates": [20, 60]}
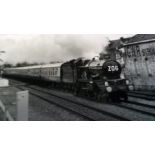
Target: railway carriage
{"type": "Point", "coordinates": [33, 72]}
{"type": "Point", "coordinates": [51, 72]}
{"type": "Point", "coordinates": [14, 72]}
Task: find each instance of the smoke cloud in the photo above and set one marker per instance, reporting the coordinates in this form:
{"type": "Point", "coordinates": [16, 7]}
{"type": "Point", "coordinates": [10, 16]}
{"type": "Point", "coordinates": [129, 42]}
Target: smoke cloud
{"type": "Point", "coordinates": [47, 48]}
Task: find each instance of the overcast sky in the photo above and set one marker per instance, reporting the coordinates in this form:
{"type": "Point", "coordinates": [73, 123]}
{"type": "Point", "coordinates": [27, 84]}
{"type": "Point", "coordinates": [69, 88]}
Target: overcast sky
{"type": "Point", "coordinates": [46, 48]}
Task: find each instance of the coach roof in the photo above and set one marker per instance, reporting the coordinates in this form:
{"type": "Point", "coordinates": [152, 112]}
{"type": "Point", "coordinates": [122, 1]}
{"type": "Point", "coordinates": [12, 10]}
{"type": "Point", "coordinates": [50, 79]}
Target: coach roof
{"type": "Point", "coordinates": [51, 65]}
{"type": "Point", "coordinates": [37, 66]}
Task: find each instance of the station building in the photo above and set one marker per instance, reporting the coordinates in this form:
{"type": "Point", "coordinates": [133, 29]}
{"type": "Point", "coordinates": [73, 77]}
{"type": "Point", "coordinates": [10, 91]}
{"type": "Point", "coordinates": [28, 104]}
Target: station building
{"type": "Point", "coordinates": [138, 53]}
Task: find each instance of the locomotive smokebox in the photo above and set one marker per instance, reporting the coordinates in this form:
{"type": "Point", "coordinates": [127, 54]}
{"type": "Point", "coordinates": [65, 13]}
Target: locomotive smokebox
{"type": "Point", "coordinates": [111, 69]}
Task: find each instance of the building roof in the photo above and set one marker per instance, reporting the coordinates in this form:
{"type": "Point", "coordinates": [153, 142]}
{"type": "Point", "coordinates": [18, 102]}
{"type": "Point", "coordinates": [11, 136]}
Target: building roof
{"type": "Point", "coordinates": [141, 37]}
{"type": "Point", "coordinates": [136, 39]}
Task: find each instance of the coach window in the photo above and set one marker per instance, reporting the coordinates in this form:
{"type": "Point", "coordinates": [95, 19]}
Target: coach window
{"type": "Point", "coordinates": [55, 72]}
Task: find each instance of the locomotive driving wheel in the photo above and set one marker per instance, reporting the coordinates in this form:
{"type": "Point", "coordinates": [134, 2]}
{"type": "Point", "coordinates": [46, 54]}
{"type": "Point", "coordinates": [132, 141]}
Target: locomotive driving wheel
{"type": "Point", "coordinates": [115, 97]}
{"type": "Point", "coordinates": [105, 98]}
{"type": "Point", "coordinates": [100, 97]}
{"type": "Point", "coordinates": [77, 89]}
{"type": "Point", "coordinates": [124, 96]}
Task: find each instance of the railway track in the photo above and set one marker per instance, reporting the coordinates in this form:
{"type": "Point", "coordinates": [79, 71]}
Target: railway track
{"type": "Point", "coordinates": [143, 109]}
{"type": "Point", "coordinates": [147, 96]}
{"type": "Point", "coordinates": [132, 105]}
{"type": "Point", "coordinates": [88, 112]}
{"type": "Point", "coordinates": [130, 110]}
{"type": "Point", "coordinates": [135, 106]}
{"type": "Point", "coordinates": [145, 105]}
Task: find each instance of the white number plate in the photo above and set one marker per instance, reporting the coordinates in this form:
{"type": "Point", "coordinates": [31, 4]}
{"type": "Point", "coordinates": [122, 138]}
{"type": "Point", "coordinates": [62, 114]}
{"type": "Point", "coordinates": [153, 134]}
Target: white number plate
{"type": "Point", "coordinates": [112, 68]}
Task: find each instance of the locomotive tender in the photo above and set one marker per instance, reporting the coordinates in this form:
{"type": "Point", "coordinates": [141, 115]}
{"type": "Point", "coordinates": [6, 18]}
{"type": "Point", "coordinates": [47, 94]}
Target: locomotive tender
{"type": "Point", "coordinates": [100, 78]}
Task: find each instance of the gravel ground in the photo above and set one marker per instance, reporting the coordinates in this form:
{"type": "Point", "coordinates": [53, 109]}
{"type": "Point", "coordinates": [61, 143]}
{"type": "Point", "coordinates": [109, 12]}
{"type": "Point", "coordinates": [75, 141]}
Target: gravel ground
{"type": "Point", "coordinates": [40, 110]}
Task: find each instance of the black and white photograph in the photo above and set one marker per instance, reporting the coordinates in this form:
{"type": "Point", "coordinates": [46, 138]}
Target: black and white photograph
{"type": "Point", "coordinates": [75, 77]}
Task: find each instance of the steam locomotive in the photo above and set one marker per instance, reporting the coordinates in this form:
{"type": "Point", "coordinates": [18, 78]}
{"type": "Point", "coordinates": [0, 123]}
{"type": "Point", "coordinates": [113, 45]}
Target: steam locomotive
{"type": "Point", "coordinates": [102, 79]}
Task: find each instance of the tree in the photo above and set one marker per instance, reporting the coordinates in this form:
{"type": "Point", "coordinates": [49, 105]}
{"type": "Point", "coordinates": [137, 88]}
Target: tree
{"type": "Point", "coordinates": [22, 64]}
{"type": "Point", "coordinates": [7, 65]}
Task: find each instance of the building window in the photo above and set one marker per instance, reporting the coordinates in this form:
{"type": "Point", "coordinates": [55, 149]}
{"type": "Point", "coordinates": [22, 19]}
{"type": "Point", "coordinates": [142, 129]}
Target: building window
{"type": "Point", "coordinates": [148, 67]}
{"type": "Point", "coordinates": [136, 67]}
